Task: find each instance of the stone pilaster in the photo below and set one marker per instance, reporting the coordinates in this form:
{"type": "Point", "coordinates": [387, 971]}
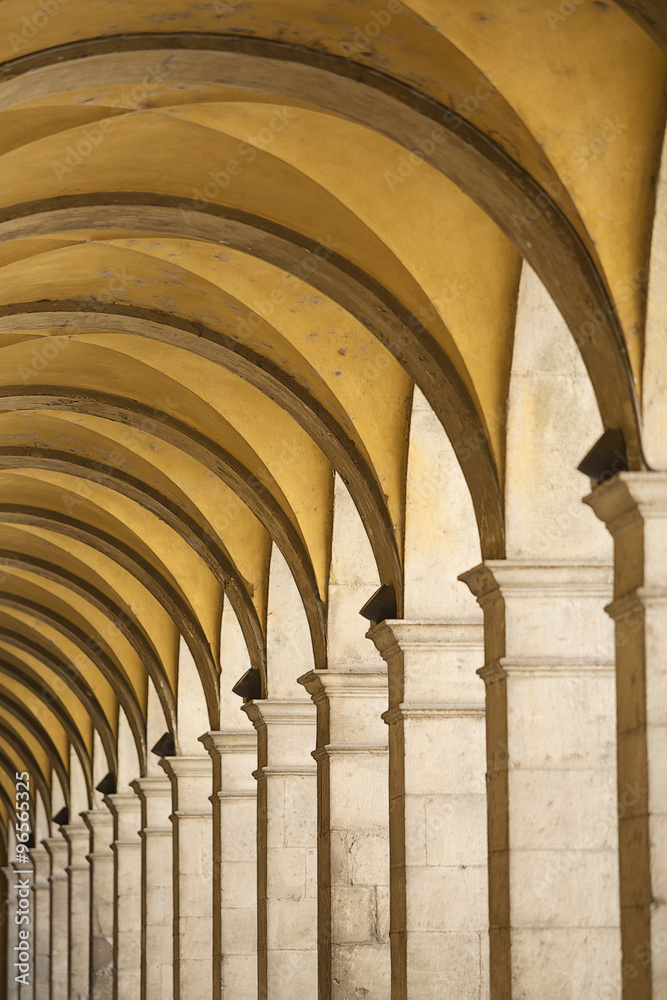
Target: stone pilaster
{"type": "Point", "coordinates": [57, 849]}
{"type": "Point", "coordinates": [157, 888]}
{"type": "Point", "coordinates": [234, 799]}
{"type": "Point", "coordinates": [634, 508]}
{"type": "Point", "coordinates": [192, 819]}
{"type": "Point", "coordinates": [439, 883]}
{"type": "Point", "coordinates": [286, 848]}
{"type": "Point", "coordinates": [551, 781]}
{"type": "Point", "coordinates": [78, 898]}
{"type": "Point", "coordinates": [126, 847]}
{"type": "Point", "coordinates": [353, 831]}
{"type": "Point", "coordinates": [101, 860]}
{"type": "Point", "coordinates": [41, 921]}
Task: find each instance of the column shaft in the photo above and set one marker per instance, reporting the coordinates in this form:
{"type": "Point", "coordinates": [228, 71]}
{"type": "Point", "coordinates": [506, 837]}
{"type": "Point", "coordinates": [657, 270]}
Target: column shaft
{"type": "Point", "coordinates": [634, 508]}
{"type": "Point", "coordinates": [101, 860]}
{"type": "Point", "coordinates": [191, 783]}
{"type": "Point", "coordinates": [126, 811]}
{"type": "Point", "coordinates": [77, 836]}
{"type": "Point", "coordinates": [553, 863]}
{"type": "Point", "coordinates": [57, 848]}
{"type": "Point", "coordinates": [353, 831]}
{"type": "Point", "coordinates": [286, 848]}
{"type": "Point", "coordinates": [234, 756]}
{"type": "Point", "coordinates": [439, 881]}
{"type": "Point", "coordinates": [41, 921]}
{"type": "Point", "coordinates": [157, 888]}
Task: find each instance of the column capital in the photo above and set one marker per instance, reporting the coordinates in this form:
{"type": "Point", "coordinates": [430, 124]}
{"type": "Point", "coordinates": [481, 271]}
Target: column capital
{"type": "Point", "coordinates": [498, 579]}
{"type": "Point", "coordinates": [287, 732]}
{"type": "Point", "coordinates": [191, 781]}
{"type": "Point", "coordinates": [40, 866]}
{"type": "Point", "coordinates": [97, 820]}
{"type": "Point", "coordinates": [155, 795]}
{"type": "Point", "coordinates": [8, 872]}
{"type": "Point", "coordinates": [100, 824]}
{"type": "Point", "coordinates": [350, 700]}
{"type": "Point", "coordinates": [394, 637]}
{"type": "Point", "coordinates": [545, 613]}
{"type": "Point", "coordinates": [348, 681]}
{"type": "Point", "coordinates": [75, 831]}
{"type": "Point", "coordinates": [234, 758]}
{"type": "Point", "coordinates": [152, 788]}
{"type": "Point", "coordinates": [126, 811]}
{"type": "Point", "coordinates": [77, 836]}
{"type": "Point", "coordinates": [229, 741]}
{"type": "Point", "coordinates": [185, 767]}
{"type": "Point", "coordinates": [122, 803]}
{"type": "Point", "coordinates": [295, 712]}
{"type": "Point", "coordinates": [629, 495]}
{"type": "Point", "coordinates": [430, 656]}
{"type": "Point", "coordinates": [56, 848]}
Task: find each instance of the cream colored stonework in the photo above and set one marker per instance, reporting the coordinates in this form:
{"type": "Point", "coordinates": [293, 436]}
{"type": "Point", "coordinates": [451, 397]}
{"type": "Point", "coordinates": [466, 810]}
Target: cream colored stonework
{"type": "Point", "coordinates": [101, 861]}
{"type": "Point", "coordinates": [41, 904]}
{"type": "Point", "coordinates": [57, 848]}
{"type": "Point", "coordinates": [234, 800]}
{"type": "Point", "coordinates": [551, 779]}
{"type": "Point", "coordinates": [439, 916]}
{"type": "Point", "coordinates": [126, 847]}
{"type": "Point", "coordinates": [77, 836]}
{"type": "Point", "coordinates": [634, 508]}
{"type": "Point", "coordinates": [157, 904]}
{"type": "Point", "coordinates": [192, 874]}
{"type": "Point", "coordinates": [287, 938]}
{"type": "Point", "coordinates": [353, 826]}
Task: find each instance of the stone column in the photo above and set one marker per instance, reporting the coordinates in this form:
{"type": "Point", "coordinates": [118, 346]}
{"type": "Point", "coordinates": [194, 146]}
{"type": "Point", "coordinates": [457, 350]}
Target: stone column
{"type": "Point", "coordinates": [78, 897]}
{"type": "Point", "coordinates": [157, 888]}
{"type": "Point", "coordinates": [437, 788]}
{"type": "Point", "coordinates": [41, 921]}
{"type": "Point", "coordinates": [634, 507]}
{"type": "Point", "coordinates": [192, 819]}
{"type": "Point", "coordinates": [353, 831]}
{"type": "Point", "coordinates": [101, 860]}
{"type": "Point", "coordinates": [57, 848]}
{"type": "Point", "coordinates": [11, 931]}
{"type": "Point", "coordinates": [286, 848]}
{"type": "Point", "coordinates": [551, 785]}
{"type": "Point", "coordinates": [126, 811]}
{"type": "Point", "coordinates": [234, 756]}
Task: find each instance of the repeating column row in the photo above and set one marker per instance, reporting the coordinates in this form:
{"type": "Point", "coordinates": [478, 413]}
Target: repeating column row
{"type": "Point", "coordinates": [406, 833]}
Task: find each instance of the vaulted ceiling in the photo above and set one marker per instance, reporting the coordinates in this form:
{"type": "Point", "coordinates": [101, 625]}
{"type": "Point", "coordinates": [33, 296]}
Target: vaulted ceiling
{"type": "Point", "coordinates": [233, 236]}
